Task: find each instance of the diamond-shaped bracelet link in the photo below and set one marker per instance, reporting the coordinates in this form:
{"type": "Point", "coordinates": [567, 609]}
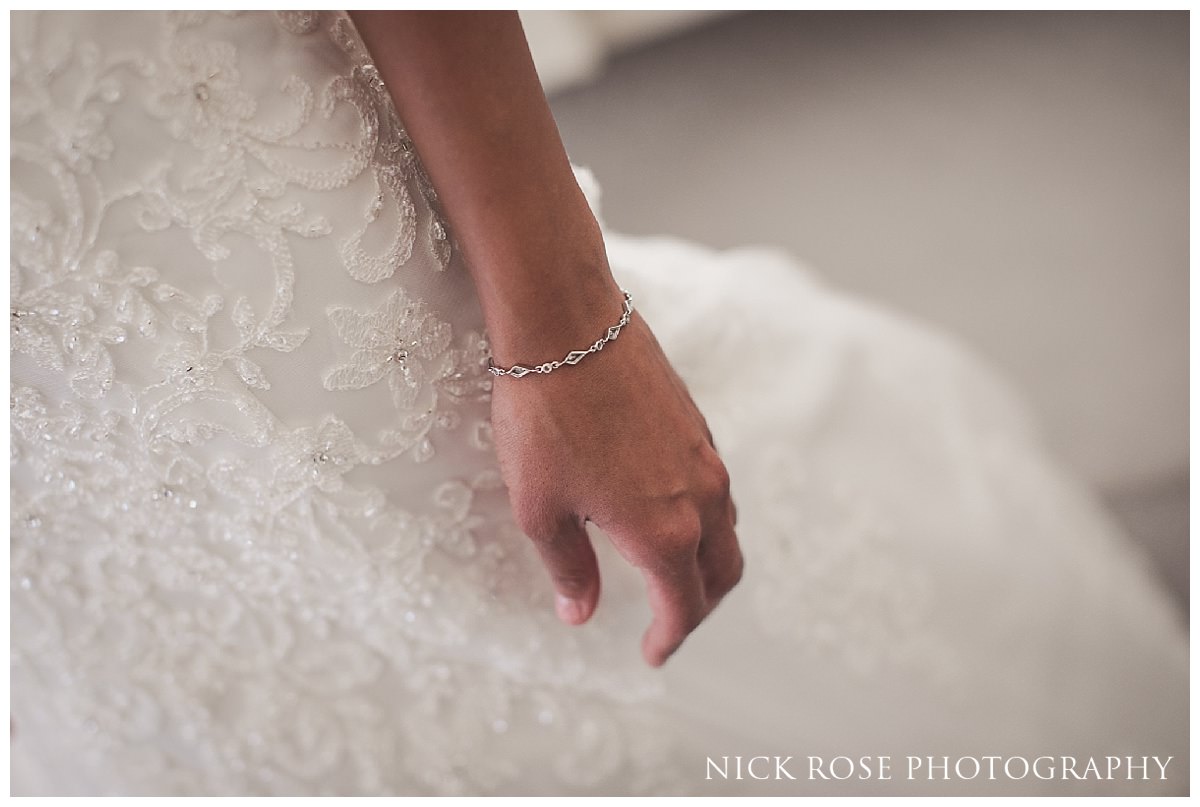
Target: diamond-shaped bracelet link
{"type": "Point", "coordinates": [575, 356]}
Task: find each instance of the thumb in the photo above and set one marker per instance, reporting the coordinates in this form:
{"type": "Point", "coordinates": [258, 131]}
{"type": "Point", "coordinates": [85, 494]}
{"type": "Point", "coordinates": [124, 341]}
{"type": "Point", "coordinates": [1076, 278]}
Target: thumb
{"type": "Point", "coordinates": [568, 556]}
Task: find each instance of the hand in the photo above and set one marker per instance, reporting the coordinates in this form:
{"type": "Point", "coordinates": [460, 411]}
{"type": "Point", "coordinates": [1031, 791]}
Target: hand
{"type": "Point", "coordinates": [617, 440]}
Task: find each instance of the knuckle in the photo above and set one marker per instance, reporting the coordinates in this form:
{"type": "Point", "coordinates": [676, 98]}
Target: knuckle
{"type": "Point", "coordinates": [721, 480]}
{"type": "Point", "coordinates": [716, 480]}
{"type": "Point", "coordinates": [736, 572]}
{"type": "Point", "coordinates": [727, 577]}
{"type": "Point", "coordinates": [678, 535]}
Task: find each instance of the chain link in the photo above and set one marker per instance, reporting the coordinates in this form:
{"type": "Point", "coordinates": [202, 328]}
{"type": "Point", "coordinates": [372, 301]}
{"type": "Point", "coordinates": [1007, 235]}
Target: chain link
{"type": "Point", "coordinates": [575, 356]}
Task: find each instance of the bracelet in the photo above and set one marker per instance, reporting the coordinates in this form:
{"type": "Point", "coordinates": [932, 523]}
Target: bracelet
{"type": "Point", "coordinates": [575, 356]}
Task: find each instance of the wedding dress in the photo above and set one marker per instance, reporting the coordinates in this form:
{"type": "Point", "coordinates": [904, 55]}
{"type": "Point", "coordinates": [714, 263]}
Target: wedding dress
{"type": "Point", "coordinates": [260, 543]}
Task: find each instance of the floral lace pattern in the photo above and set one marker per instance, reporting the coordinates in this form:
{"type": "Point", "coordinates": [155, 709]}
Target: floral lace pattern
{"type": "Point", "coordinates": [403, 342]}
{"type": "Point", "coordinates": [198, 550]}
{"type": "Point", "coordinates": [260, 542]}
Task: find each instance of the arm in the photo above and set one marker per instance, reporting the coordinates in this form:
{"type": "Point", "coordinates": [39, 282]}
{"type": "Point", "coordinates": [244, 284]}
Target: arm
{"type": "Point", "coordinates": [616, 439]}
{"type": "Point", "coordinates": [465, 87]}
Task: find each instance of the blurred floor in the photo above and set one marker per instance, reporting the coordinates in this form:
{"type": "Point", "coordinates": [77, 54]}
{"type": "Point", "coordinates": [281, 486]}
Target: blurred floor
{"type": "Point", "coordinates": [1019, 178]}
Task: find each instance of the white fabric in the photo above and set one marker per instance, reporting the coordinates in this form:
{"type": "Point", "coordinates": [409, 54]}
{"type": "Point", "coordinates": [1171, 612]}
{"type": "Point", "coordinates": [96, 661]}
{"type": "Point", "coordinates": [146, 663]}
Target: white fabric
{"type": "Point", "coordinates": [570, 48]}
{"type": "Point", "coordinates": [259, 540]}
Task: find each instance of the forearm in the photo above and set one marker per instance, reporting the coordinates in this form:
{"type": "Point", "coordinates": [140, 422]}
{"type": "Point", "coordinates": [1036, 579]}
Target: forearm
{"type": "Point", "coordinates": [465, 87]}
{"type": "Point", "coordinates": [618, 440]}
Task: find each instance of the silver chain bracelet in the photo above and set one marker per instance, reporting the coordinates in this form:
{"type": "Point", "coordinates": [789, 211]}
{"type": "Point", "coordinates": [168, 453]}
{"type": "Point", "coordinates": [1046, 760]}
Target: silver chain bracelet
{"type": "Point", "coordinates": [575, 356]}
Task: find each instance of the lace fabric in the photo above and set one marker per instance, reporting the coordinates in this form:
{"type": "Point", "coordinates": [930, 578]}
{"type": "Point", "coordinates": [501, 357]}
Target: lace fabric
{"type": "Point", "coordinates": [235, 512]}
{"type": "Point", "coordinates": [259, 538]}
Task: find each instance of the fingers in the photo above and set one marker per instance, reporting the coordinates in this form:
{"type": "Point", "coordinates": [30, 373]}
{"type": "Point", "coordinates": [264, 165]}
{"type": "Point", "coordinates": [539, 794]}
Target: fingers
{"type": "Point", "coordinates": [720, 560]}
{"type": "Point", "coordinates": [681, 598]}
{"type": "Point", "coordinates": [567, 554]}
{"type": "Point", "coordinates": [677, 600]}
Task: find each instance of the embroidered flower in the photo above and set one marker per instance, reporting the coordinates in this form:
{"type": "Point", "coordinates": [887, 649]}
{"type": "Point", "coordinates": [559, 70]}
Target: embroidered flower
{"type": "Point", "coordinates": [400, 341]}
{"type": "Point", "coordinates": [187, 367]}
{"type": "Point", "coordinates": [57, 327]}
{"type": "Point", "coordinates": [79, 137]}
{"type": "Point", "coordinates": [202, 96]}
{"type": "Point", "coordinates": [299, 22]}
{"type": "Point", "coordinates": [317, 456]}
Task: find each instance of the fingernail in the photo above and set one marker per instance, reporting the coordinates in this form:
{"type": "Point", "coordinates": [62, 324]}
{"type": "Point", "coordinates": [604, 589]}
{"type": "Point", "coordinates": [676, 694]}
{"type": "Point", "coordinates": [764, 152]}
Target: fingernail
{"type": "Point", "coordinates": [569, 610]}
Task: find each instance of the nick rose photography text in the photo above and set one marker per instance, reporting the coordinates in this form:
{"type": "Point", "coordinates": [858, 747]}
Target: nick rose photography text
{"type": "Point", "coordinates": [935, 768]}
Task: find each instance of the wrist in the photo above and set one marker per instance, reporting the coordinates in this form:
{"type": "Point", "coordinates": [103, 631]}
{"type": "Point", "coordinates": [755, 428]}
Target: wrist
{"type": "Point", "coordinates": [557, 296]}
{"type": "Point", "coordinates": [555, 321]}
{"type": "Point", "coordinates": [577, 354]}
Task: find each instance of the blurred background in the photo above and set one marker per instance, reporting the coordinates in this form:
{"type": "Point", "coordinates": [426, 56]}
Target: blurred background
{"type": "Point", "coordinates": [1018, 178]}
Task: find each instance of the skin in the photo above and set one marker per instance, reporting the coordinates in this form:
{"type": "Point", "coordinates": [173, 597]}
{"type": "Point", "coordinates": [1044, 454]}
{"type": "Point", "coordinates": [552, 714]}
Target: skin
{"type": "Point", "coordinates": [616, 439]}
